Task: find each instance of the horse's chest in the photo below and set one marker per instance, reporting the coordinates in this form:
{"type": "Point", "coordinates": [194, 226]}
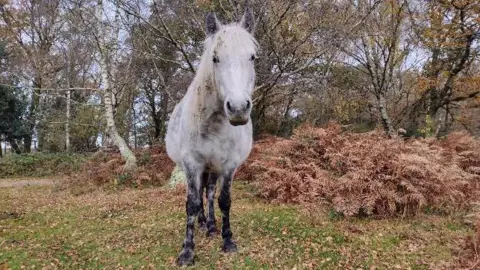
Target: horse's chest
{"type": "Point", "coordinates": [220, 152]}
{"type": "Point", "coordinates": [214, 127]}
{"type": "Point", "coordinates": [224, 144]}
{"type": "Point", "coordinates": [218, 145]}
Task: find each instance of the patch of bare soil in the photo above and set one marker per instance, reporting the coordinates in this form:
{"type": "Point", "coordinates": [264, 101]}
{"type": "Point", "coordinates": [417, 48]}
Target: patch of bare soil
{"type": "Point", "coordinates": [25, 182]}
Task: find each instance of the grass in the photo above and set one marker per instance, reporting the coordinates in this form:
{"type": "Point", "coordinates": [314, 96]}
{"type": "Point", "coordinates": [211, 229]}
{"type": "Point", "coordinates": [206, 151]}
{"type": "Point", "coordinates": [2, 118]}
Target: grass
{"type": "Point", "coordinates": [41, 227]}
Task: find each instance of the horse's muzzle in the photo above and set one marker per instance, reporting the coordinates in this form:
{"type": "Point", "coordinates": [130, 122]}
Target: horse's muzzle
{"type": "Point", "coordinates": [238, 110]}
{"type": "Point", "coordinates": [238, 121]}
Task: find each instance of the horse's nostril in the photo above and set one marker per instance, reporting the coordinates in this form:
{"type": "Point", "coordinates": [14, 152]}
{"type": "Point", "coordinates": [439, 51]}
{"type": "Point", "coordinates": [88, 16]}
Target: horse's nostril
{"type": "Point", "coordinates": [229, 107]}
{"type": "Point", "coordinates": [248, 104]}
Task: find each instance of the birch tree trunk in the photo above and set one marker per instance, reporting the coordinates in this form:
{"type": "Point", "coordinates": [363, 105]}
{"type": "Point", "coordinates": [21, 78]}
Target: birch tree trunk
{"type": "Point", "coordinates": [105, 69]}
{"type": "Point", "coordinates": [127, 154]}
{"type": "Point", "coordinates": [386, 122]}
{"type": "Point", "coordinates": [441, 121]}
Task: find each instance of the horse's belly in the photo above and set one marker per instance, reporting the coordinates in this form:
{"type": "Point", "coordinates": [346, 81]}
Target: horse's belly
{"type": "Point", "coordinates": [172, 146]}
{"type": "Point", "coordinates": [173, 138]}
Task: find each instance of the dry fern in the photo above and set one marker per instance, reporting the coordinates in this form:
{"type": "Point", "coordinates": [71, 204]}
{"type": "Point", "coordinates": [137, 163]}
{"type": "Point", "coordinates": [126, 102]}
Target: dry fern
{"type": "Point", "coordinates": [366, 174]}
{"type": "Point", "coordinates": [154, 169]}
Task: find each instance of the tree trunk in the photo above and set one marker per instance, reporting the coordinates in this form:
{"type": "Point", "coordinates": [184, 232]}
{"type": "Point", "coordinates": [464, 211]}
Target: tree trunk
{"type": "Point", "coordinates": [32, 117]}
{"type": "Point", "coordinates": [67, 122]}
{"type": "Point", "coordinates": [164, 104]}
{"type": "Point", "coordinates": [442, 122]}
{"type": "Point", "coordinates": [15, 147]}
{"type": "Point", "coordinates": [105, 68]}
{"type": "Point", "coordinates": [157, 123]}
{"type": "Point", "coordinates": [27, 141]}
{"type": "Point", "coordinates": [134, 126]}
{"type": "Point", "coordinates": [127, 154]}
{"type": "Point", "coordinates": [284, 129]}
{"type": "Point", "coordinates": [386, 122]}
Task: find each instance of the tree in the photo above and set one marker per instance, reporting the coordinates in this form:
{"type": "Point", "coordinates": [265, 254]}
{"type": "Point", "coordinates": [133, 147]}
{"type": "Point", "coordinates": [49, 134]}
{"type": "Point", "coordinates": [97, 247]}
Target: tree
{"type": "Point", "coordinates": [90, 73]}
{"type": "Point", "coordinates": [108, 48]}
{"type": "Point", "coordinates": [156, 70]}
{"type": "Point", "coordinates": [449, 31]}
{"type": "Point", "coordinates": [13, 126]}
{"type": "Point", "coordinates": [379, 50]}
{"type": "Point", "coordinates": [34, 27]}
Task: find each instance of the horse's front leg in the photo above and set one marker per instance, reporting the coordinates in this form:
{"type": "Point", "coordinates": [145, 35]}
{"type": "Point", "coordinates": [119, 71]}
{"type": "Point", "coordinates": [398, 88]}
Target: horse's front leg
{"type": "Point", "coordinates": [211, 186]}
{"type": "Point", "coordinates": [224, 202]}
{"type": "Point", "coordinates": [202, 220]}
{"type": "Point", "coordinates": [193, 208]}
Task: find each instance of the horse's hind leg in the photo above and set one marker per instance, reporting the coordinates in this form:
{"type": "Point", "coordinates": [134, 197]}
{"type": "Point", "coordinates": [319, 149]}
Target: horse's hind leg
{"type": "Point", "coordinates": [193, 208]}
{"type": "Point", "coordinates": [211, 185]}
{"type": "Point", "coordinates": [224, 201]}
{"type": "Point", "coordinates": [202, 220]}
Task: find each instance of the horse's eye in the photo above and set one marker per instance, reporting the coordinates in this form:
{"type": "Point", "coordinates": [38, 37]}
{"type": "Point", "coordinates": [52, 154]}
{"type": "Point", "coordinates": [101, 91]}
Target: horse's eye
{"type": "Point", "coordinates": [253, 57]}
{"type": "Point", "coordinates": [215, 59]}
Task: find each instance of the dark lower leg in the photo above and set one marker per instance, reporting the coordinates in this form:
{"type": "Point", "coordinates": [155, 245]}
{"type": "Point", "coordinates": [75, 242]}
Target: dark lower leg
{"type": "Point", "coordinates": [224, 202]}
{"type": "Point", "coordinates": [193, 208]}
{"type": "Point", "coordinates": [211, 186]}
{"type": "Point", "coordinates": [202, 220]}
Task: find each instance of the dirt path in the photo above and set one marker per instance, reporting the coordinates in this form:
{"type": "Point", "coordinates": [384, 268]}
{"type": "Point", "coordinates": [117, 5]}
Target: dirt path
{"type": "Point", "coordinates": [22, 182]}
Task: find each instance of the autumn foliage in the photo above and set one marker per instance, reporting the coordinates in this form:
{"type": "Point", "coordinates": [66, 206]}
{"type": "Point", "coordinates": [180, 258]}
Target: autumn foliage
{"type": "Point", "coordinates": [357, 173]}
{"type": "Point", "coordinates": [367, 174]}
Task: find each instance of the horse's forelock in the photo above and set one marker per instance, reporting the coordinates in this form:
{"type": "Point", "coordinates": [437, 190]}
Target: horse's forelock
{"type": "Point", "coordinates": [234, 37]}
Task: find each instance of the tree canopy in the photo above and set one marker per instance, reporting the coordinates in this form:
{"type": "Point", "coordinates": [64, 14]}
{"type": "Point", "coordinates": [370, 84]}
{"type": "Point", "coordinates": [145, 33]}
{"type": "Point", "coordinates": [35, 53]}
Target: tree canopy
{"type": "Point", "coordinates": [79, 72]}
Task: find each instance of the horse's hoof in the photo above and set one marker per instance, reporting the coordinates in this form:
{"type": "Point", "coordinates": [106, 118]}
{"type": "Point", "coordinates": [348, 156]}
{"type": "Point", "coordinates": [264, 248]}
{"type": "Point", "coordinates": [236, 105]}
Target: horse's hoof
{"type": "Point", "coordinates": [212, 233]}
{"type": "Point", "coordinates": [185, 258]}
{"type": "Point", "coordinates": [229, 246]}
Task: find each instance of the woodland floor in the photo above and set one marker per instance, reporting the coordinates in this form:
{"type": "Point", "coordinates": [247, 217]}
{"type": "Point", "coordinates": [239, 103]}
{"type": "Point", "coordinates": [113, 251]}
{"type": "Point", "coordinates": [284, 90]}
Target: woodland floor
{"type": "Point", "coordinates": [22, 182]}
{"type": "Point", "coordinates": [44, 227]}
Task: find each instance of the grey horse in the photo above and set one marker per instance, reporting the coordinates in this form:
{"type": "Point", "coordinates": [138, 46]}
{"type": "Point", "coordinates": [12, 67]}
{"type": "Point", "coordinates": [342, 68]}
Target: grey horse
{"type": "Point", "coordinates": [209, 134]}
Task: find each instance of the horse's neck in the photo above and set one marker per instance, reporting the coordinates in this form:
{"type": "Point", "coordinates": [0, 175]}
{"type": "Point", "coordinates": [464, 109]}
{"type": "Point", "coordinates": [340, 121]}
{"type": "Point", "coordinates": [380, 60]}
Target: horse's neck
{"type": "Point", "coordinates": [204, 99]}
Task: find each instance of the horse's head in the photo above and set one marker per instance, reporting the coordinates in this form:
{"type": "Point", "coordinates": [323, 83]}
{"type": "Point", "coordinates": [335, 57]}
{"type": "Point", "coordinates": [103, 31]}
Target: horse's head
{"type": "Point", "coordinates": [232, 54]}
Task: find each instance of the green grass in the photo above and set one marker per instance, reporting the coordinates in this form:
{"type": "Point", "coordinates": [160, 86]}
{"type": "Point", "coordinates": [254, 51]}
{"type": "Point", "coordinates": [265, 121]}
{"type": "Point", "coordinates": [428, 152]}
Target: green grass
{"type": "Point", "coordinates": [135, 228]}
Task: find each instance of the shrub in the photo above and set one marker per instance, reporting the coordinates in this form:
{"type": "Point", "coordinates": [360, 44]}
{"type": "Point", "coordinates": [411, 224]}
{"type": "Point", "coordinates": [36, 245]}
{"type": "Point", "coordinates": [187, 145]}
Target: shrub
{"type": "Point", "coordinates": [367, 174]}
{"type": "Point", "coordinates": [40, 164]}
{"type": "Point", "coordinates": [154, 168]}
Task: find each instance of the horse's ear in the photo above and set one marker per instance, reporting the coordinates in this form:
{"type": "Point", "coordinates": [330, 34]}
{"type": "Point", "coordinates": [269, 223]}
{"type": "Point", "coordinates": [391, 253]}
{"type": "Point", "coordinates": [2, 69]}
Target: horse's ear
{"type": "Point", "coordinates": [213, 25]}
{"type": "Point", "coordinates": [248, 20]}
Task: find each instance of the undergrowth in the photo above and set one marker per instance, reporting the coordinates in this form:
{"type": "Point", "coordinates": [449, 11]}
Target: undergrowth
{"type": "Point", "coordinates": [40, 164]}
{"type": "Point", "coordinates": [106, 168]}
{"type": "Point", "coordinates": [468, 252]}
{"type": "Point", "coordinates": [367, 174]}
